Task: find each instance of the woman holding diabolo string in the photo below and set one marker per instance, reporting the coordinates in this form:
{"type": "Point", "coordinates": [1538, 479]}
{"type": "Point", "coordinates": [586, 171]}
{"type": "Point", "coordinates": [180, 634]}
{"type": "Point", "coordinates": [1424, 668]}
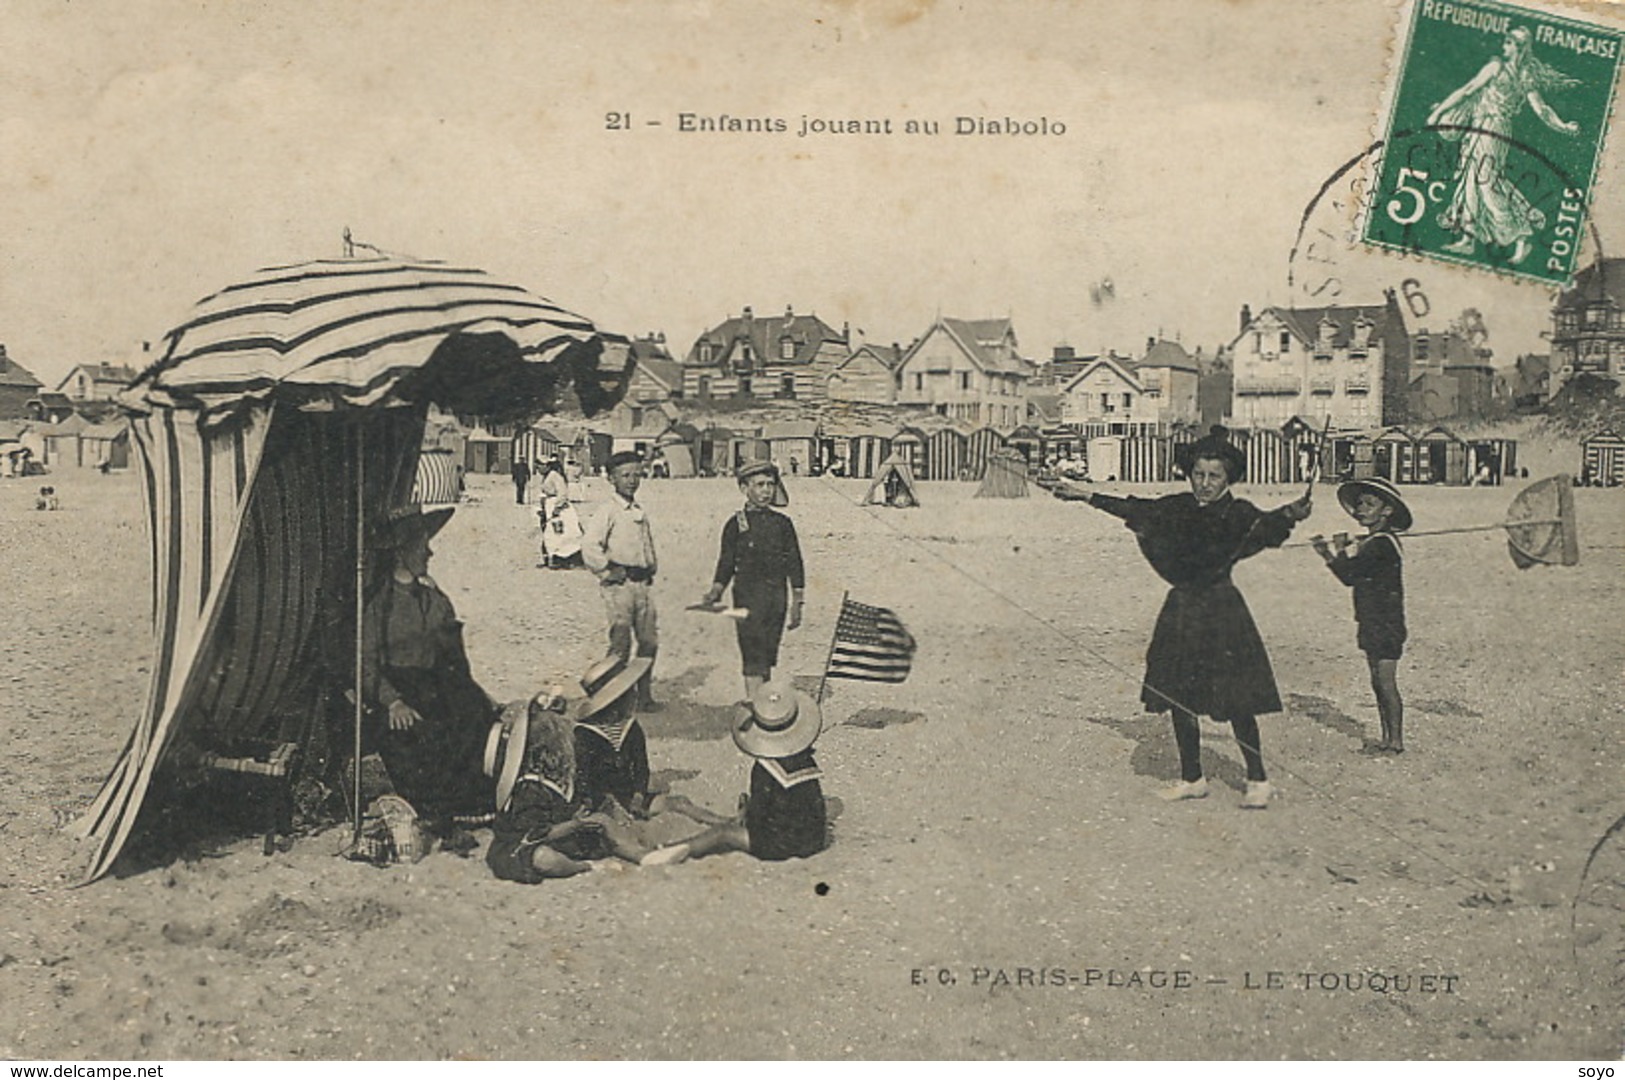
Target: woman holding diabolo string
{"type": "Point", "coordinates": [1206, 656]}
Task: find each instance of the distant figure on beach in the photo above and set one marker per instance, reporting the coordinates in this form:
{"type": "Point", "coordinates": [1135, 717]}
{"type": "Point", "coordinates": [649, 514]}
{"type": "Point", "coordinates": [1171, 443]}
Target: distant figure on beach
{"type": "Point", "coordinates": [761, 556]}
{"type": "Point", "coordinates": [521, 477]}
{"type": "Point", "coordinates": [1486, 207]}
{"type": "Point", "coordinates": [1206, 657]}
{"type": "Point", "coordinates": [1373, 567]}
{"type": "Point", "coordinates": [46, 499]}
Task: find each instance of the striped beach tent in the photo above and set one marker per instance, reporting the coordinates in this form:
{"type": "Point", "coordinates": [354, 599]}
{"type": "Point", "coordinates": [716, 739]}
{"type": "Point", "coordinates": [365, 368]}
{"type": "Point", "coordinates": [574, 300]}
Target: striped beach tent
{"type": "Point", "coordinates": [283, 418]}
{"type": "Point", "coordinates": [438, 480]}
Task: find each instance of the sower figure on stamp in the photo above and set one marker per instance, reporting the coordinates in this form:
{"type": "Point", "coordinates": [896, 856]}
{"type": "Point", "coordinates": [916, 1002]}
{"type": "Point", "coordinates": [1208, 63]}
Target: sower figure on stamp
{"type": "Point", "coordinates": [1206, 656]}
{"type": "Point", "coordinates": [761, 556]}
{"type": "Point", "coordinates": [619, 548]}
{"type": "Point", "coordinates": [1486, 206]}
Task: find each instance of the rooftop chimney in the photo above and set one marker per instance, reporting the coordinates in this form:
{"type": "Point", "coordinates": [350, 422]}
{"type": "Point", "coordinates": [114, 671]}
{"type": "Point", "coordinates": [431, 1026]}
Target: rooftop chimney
{"type": "Point", "coordinates": [1246, 316]}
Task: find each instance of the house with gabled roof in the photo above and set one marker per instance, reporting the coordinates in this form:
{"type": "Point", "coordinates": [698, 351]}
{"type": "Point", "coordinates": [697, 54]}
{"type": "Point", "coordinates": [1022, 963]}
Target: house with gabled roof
{"type": "Point", "coordinates": [18, 387]}
{"type": "Point", "coordinates": [868, 374]}
{"type": "Point", "coordinates": [95, 382]}
{"type": "Point", "coordinates": [1106, 391]}
{"type": "Point", "coordinates": [967, 369]}
{"type": "Point", "coordinates": [782, 357]}
{"type": "Point", "coordinates": [1588, 326]}
{"type": "Point", "coordinates": [656, 375]}
{"type": "Point", "coordinates": [1351, 363]}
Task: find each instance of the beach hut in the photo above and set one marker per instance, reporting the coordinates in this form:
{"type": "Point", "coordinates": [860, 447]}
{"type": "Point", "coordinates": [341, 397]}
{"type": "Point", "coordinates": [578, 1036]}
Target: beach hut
{"type": "Point", "coordinates": [1026, 441]}
{"type": "Point", "coordinates": [106, 446]}
{"type": "Point", "coordinates": [282, 422]}
{"type": "Point", "coordinates": [679, 445]}
{"type": "Point", "coordinates": [1393, 456]}
{"type": "Point", "coordinates": [1105, 458]}
{"type": "Point", "coordinates": [980, 445]}
{"type": "Point", "coordinates": [945, 455]}
{"type": "Point", "coordinates": [62, 443]}
{"type": "Point", "coordinates": [1005, 477]}
{"type": "Point", "coordinates": [866, 454]}
{"type": "Point", "coordinates": [1266, 450]}
{"type": "Point", "coordinates": [439, 477]}
{"type": "Point", "coordinates": [1441, 458]}
{"type": "Point", "coordinates": [893, 486]}
{"type": "Point", "coordinates": [791, 444]}
{"type": "Point", "coordinates": [1603, 460]}
{"type": "Point", "coordinates": [487, 453]}
{"type": "Point", "coordinates": [1146, 459]}
{"type": "Point", "coordinates": [909, 445]}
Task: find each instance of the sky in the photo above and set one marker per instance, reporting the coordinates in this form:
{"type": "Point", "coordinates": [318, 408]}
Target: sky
{"type": "Point", "coordinates": [152, 152]}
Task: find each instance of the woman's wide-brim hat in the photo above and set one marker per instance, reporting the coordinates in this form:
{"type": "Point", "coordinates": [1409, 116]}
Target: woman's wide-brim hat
{"type": "Point", "coordinates": [405, 524]}
{"type": "Point", "coordinates": [778, 721]}
{"type": "Point", "coordinates": [1349, 490]}
{"type": "Point", "coordinates": [1215, 445]}
{"type": "Point", "coordinates": [505, 749]}
{"type": "Point", "coordinates": [609, 680]}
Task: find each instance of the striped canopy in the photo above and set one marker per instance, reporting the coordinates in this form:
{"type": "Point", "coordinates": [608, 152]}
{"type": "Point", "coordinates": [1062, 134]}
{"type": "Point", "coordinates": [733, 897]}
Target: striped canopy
{"type": "Point", "coordinates": [283, 414]}
{"type": "Point", "coordinates": [357, 330]}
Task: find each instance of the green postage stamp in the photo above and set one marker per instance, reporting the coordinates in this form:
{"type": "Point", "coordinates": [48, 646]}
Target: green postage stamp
{"type": "Point", "coordinates": [1496, 118]}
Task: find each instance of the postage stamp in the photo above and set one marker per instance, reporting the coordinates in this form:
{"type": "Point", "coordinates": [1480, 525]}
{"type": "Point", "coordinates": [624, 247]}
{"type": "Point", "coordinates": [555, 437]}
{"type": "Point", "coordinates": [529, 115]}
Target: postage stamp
{"type": "Point", "coordinates": [1496, 117]}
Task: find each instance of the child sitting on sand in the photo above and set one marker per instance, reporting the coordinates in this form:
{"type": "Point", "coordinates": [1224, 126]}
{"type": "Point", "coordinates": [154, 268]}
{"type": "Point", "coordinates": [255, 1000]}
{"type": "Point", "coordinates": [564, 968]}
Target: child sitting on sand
{"type": "Point", "coordinates": [542, 830]}
{"type": "Point", "coordinates": [783, 817]}
{"type": "Point", "coordinates": [612, 756]}
{"type": "Point", "coordinates": [1373, 566]}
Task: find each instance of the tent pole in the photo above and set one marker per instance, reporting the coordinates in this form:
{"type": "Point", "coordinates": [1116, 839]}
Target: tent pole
{"type": "Point", "coordinates": [823, 676]}
{"type": "Point", "coordinates": [360, 602]}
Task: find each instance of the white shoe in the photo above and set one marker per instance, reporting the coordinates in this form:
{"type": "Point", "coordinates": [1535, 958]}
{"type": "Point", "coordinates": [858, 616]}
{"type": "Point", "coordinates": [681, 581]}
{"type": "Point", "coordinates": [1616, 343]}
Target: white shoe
{"type": "Point", "coordinates": [1259, 794]}
{"type": "Point", "coordinates": [1185, 789]}
{"type": "Point", "coordinates": [666, 856]}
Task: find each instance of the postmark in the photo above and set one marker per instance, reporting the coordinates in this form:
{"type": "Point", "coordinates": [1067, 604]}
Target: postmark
{"type": "Point", "coordinates": [1495, 121]}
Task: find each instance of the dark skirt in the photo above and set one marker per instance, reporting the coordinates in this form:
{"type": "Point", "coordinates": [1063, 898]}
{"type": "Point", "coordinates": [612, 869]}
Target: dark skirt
{"type": "Point", "coordinates": [784, 823]}
{"type": "Point", "coordinates": [760, 633]}
{"type": "Point", "coordinates": [437, 765]}
{"type": "Point", "coordinates": [1207, 656]}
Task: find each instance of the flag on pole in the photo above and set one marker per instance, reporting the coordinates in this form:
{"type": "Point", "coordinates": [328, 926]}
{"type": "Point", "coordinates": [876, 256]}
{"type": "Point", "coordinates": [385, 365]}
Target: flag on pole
{"type": "Point", "coordinates": [871, 643]}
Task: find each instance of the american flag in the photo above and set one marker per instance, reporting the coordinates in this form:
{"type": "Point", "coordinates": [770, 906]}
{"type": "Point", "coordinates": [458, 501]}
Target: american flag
{"type": "Point", "coordinates": [872, 644]}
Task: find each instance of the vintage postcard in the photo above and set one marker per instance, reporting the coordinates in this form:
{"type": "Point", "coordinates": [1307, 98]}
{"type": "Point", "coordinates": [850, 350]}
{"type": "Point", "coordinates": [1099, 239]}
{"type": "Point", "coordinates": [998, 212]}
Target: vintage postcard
{"type": "Point", "coordinates": [842, 529]}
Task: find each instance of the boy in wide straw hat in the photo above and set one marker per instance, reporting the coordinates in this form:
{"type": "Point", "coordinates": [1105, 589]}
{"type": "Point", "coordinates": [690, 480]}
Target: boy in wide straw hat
{"type": "Point", "coordinates": [1373, 566]}
{"type": "Point", "coordinates": [612, 755]}
{"type": "Point", "coordinates": [784, 815]}
{"type": "Point", "coordinates": [761, 556]}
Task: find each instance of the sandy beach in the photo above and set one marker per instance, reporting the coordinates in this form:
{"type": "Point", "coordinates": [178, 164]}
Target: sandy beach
{"type": "Point", "coordinates": [1003, 881]}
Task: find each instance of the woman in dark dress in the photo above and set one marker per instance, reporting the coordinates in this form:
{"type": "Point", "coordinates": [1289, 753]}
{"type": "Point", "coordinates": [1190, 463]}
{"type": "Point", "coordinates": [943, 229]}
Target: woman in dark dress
{"type": "Point", "coordinates": [417, 679]}
{"type": "Point", "coordinates": [1206, 657]}
{"type": "Point", "coordinates": [762, 558]}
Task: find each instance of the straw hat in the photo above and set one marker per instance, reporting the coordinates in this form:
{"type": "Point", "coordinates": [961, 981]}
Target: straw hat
{"type": "Point", "coordinates": [505, 749]}
{"type": "Point", "coordinates": [607, 681]}
{"type": "Point", "coordinates": [779, 721]}
{"type": "Point", "coordinates": [406, 524]}
{"type": "Point", "coordinates": [1347, 492]}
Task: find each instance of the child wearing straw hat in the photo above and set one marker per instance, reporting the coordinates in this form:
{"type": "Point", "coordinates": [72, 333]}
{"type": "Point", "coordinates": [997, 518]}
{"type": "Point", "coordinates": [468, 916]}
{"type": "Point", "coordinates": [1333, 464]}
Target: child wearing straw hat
{"type": "Point", "coordinates": [612, 756]}
{"type": "Point", "coordinates": [783, 816]}
{"type": "Point", "coordinates": [1373, 566]}
{"type": "Point", "coordinates": [761, 556]}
